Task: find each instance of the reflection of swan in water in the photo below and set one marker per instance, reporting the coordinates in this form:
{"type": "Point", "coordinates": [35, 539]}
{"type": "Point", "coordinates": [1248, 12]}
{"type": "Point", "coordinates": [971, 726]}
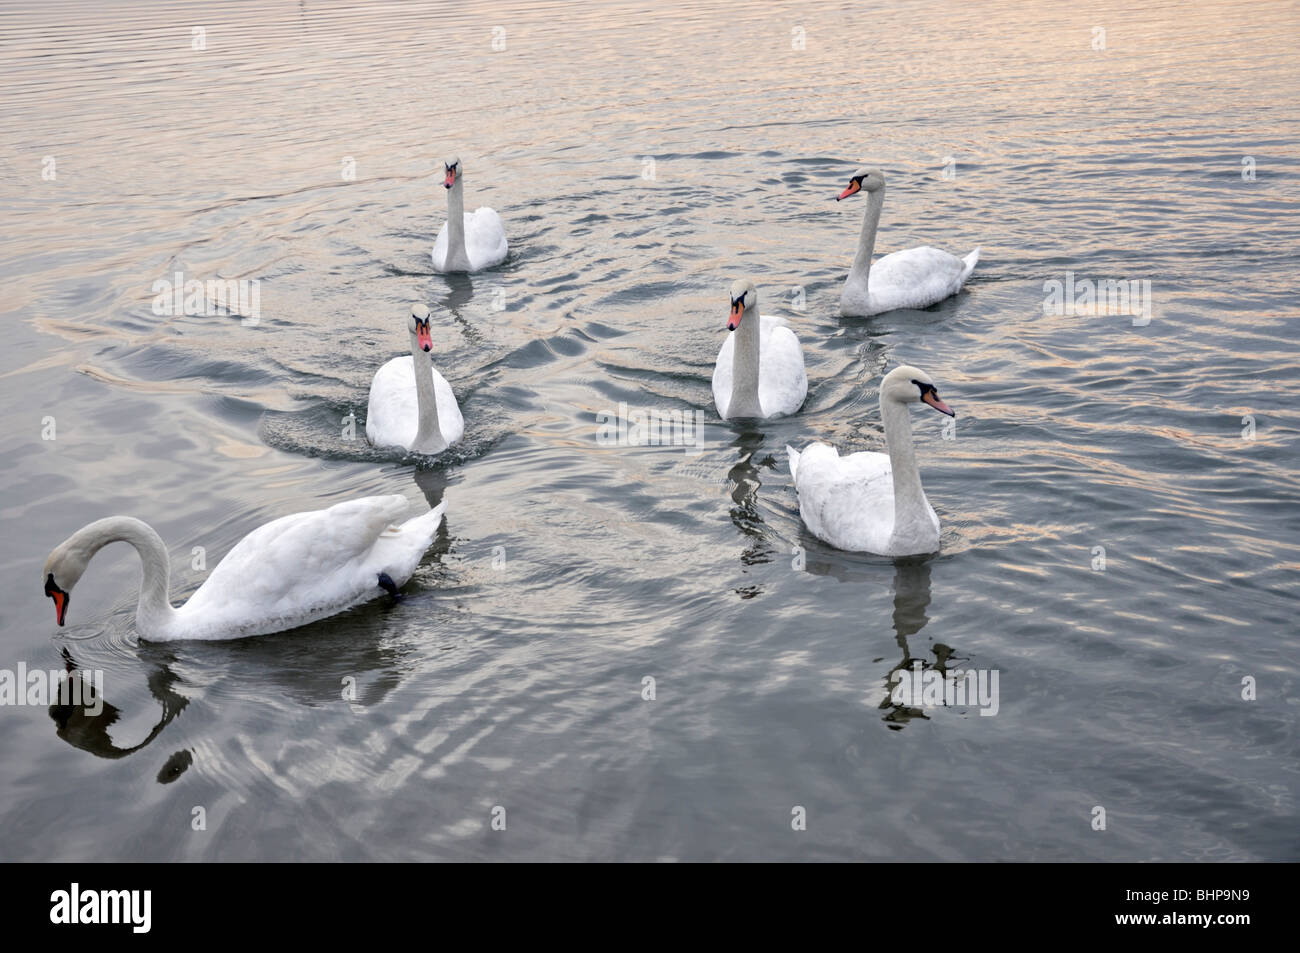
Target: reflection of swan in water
{"type": "Point", "coordinates": [460, 292]}
{"type": "Point", "coordinates": [744, 477]}
{"type": "Point", "coordinates": [75, 725]}
{"type": "Point", "coordinates": [433, 483]}
{"type": "Point", "coordinates": [911, 599]}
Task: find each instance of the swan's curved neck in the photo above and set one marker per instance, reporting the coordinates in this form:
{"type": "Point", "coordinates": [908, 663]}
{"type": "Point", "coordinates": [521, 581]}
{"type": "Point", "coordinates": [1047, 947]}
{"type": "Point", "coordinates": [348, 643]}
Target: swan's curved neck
{"type": "Point", "coordinates": [429, 434]}
{"type": "Point", "coordinates": [861, 270]}
{"type": "Point", "coordinates": [910, 505]}
{"type": "Point", "coordinates": [457, 257]}
{"type": "Point", "coordinates": [154, 611]}
{"type": "Point", "coordinates": [745, 368]}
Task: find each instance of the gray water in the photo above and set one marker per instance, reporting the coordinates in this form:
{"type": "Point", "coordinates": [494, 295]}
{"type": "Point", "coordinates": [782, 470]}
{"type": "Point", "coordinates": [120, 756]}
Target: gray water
{"type": "Point", "coordinates": [1121, 534]}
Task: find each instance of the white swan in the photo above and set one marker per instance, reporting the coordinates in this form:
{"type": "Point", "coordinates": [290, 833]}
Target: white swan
{"type": "Point", "coordinates": [760, 371]}
{"type": "Point", "coordinates": [292, 571]}
{"type": "Point", "coordinates": [416, 412]}
{"type": "Point", "coordinates": [873, 502]}
{"type": "Point", "coordinates": [915, 278]}
{"type": "Point", "coordinates": [467, 242]}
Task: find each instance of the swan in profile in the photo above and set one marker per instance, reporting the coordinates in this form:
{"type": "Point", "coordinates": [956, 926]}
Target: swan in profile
{"type": "Point", "coordinates": [289, 572]}
{"type": "Point", "coordinates": [915, 278]}
{"type": "Point", "coordinates": [760, 367]}
{"type": "Point", "coordinates": [873, 502]}
{"type": "Point", "coordinates": [416, 412]}
{"type": "Point", "coordinates": [467, 242]}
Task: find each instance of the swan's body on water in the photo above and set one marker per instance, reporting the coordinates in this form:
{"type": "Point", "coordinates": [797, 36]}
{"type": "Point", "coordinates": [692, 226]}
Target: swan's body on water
{"type": "Point", "coordinates": [915, 278]}
{"type": "Point", "coordinates": [287, 573]}
{"type": "Point", "coordinates": [759, 372]}
{"type": "Point", "coordinates": [873, 502]}
{"type": "Point", "coordinates": [416, 412]}
{"type": "Point", "coordinates": [467, 242]}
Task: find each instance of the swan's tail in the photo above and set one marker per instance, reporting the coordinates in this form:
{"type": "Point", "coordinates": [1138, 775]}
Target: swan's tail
{"type": "Point", "coordinates": [426, 524]}
{"type": "Point", "coordinates": [794, 461]}
{"type": "Point", "coordinates": [971, 261]}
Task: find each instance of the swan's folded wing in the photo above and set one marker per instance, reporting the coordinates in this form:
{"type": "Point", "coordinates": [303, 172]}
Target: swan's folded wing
{"type": "Point", "coordinates": [485, 238]}
{"type": "Point", "coordinates": [392, 411]}
{"type": "Point", "coordinates": [439, 253]}
{"type": "Point", "coordinates": [915, 278]}
{"type": "Point", "coordinates": [287, 561]}
{"type": "Point", "coordinates": [847, 501]}
{"type": "Point", "coordinates": [784, 382]}
{"type": "Point", "coordinates": [722, 375]}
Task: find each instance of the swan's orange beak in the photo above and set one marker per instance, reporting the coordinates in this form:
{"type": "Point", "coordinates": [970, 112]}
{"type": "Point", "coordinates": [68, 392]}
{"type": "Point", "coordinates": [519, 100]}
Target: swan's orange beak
{"type": "Point", "coordinates": [933, 400]}
{"type": "Point", "coordinates": [450, 180]}
{"type": "Point", "coordinates": [737, 312]}
{"type": "Point", "coordinates": [854, 188]}
{"type": "Point", "coordinates": [59, 596]}
{"type": "Point", "coordinates": [424, 338]}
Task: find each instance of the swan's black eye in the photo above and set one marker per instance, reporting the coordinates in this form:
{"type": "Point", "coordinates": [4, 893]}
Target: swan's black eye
{"type": "Point", "coordinates": [926, 388]}
{"type": "Point", "coordinates": [51, 587]}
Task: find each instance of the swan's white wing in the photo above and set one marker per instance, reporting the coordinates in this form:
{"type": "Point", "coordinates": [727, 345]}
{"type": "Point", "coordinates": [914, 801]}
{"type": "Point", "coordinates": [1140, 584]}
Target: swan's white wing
{"type": "Point", "coordinates": [783, 382]}
{"type": "Point", "coordinates": [846, 501]}
{"type": "Point", "coordinates": [722, 375]}
{"type": "Point", "coordinates": [392, 414]}
{"type": "Point", "coordinates": [296, 569]}
{"type": "Point", "coordinates": [485, 239]}
{"type": "Point", "coordinates": [915, 278]}
{"type": "Point", "coordinates": [393, 411]}
{"type": "Point", "coordinates": [450, 421]}
{"type": "Point", "coordinates": [439, 253]}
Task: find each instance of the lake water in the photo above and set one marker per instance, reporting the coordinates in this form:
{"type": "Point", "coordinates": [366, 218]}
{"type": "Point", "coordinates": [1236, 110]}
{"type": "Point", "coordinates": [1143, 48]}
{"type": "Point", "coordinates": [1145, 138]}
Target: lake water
{"type": "Point", "coordinates": [1120, 498]}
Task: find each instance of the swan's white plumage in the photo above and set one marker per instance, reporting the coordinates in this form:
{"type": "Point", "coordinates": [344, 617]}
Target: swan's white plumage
{"type": "Point", "coordinates": [849, 503]}
{"type": "Point", "coordinates": [915, 278]}
{"type": "Point", "coordinates": [783, 382]}
{"type": "Point", "coordinates": [306, 566]}
{"type": "Point", "coordinates": [393, 412]}
{"type": "Point", "coordinates": [485, 242]}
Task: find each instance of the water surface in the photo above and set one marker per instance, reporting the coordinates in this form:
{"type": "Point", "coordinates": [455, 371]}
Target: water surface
{"type": "Point", "coordinates": [642, 156]}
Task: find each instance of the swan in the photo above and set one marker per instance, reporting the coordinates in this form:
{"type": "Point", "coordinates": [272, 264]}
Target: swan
{"type": "Point", "coordinates": [289, 572]}
{"type": "Point", "coordinates": [467, 242]}
{"type": "Point", "coordinates": [760, 371]}
{"type": "Point", "coordinates": [915, 278]}
{"type": "Point", "coordinates": [873, 502]}
{"type": "Point", "coordinates": [417, 412]}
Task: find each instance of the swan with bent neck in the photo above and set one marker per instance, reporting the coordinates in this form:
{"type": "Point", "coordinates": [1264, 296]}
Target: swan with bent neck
{"type": "Point", "coordinates": [915, 278]}
{"type": "Point", "coordinates": [414, 411]}
{"type": "Point", "coordinates": [467, 243]}
{"type": "Point", "coordinates": [759, 372]}
{"type": "Point", "coordinates": [284, 574]}
{"type": "Point", "coordinates": [873, 502]}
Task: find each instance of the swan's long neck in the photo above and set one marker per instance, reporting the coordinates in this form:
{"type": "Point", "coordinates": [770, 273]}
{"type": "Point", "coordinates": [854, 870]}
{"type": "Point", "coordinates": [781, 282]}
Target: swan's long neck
{"type": "Point", "coordinates": [861, 270]}
{"type": "Point", "coordinates": [457, 257]}
{"type": "Point", "coordinates": [745, 367]}
{"type": "Point", "coordinates": [429, 434]}
{"type": "Point", "coordinates": [154, 611]}
{"type": "Point", "coordinates": [910, 506]}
